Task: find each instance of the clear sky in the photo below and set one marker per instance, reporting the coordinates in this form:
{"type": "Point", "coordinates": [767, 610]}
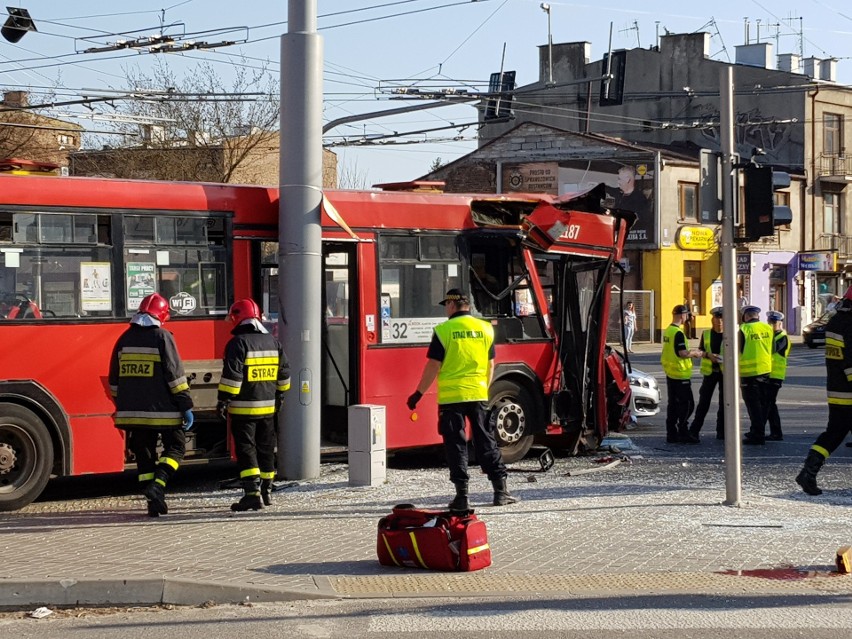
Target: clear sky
{"type": "Point", "coordinates": [375, 46]}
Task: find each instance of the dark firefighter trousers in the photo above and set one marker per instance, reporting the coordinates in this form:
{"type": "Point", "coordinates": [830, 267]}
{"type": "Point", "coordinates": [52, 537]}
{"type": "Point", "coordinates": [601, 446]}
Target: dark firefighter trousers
{"type": "Point", "coordinates": [705, 396]}
{"type": "Point", "coordinates": [254, 440]}
{"type": "Point", "coordinates": [142, 442]}
{"type": "Point", "coordinates": [839, 425]}
{"type": "Point", "coordinates": [451, 426]}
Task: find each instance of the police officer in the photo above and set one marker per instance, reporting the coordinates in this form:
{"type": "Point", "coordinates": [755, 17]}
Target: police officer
{"type": "Point", "coordinates": [677, 364]}
{"type": "Point", "coordinates": [461, 356]}
{"type": "Point", "coordinates": [838, 382]}
{"type": "Point", "coordinates": [151, 395]}
{"type": "Point", "coordinates": [254, 376]}
{"type": "Point", "coordinates": [755, 365]}
{"type": "Point", "coordinates": [780, 352]}
{"type": "Point", "coordinates": [710, 348]}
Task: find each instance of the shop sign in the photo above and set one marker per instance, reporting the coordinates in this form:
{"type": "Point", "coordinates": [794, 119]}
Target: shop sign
{"type": "Point", "coordinates": [817, 261]}
{"type": "Point", "coordinates": [695, 238]}
{"type": "Point", "coordinates": [743, 263]}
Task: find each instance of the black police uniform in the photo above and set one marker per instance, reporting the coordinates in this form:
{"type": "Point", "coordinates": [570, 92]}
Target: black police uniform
{"type": "Point", "coordinates": [708, 387]}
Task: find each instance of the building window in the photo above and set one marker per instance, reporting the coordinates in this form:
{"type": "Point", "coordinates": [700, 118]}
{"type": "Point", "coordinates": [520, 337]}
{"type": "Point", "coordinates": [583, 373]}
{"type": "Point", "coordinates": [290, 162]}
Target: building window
{"type": "Point", "coordinates": [832, 127]}
{"type": "Point", "coordinates": [692, 289]}
{"type": "Point", "coordinates": [831, 213]}
{"type": "Point", "coordinates": [782, 198]}
{"type": "Point", "coordinates": [687, 201]}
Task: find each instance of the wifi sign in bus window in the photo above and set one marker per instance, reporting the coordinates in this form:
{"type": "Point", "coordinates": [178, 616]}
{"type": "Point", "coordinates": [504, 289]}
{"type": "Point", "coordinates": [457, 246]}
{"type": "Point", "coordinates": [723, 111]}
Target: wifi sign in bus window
{"type": "Point", "coordinates": [183, 303]}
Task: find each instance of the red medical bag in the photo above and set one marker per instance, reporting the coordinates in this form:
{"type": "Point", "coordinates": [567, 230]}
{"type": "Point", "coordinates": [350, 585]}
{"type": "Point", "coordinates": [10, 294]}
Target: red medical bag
{"type": "Point", "coordinates": [433, 539]}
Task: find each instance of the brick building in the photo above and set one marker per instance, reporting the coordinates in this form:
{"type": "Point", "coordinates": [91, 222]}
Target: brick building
{"type": "Point", "coordinates": [26, 134]}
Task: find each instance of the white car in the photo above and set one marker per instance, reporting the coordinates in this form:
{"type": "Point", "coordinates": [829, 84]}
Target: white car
{"type": "Point", "coordinates": [646, 394]}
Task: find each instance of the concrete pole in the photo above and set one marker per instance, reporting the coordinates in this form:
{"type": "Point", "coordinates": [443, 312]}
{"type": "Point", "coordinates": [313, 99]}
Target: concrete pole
{"type": "Point", "coordinates": [731, 353]}
{"type": "Point", "coordinates": [300, 239]}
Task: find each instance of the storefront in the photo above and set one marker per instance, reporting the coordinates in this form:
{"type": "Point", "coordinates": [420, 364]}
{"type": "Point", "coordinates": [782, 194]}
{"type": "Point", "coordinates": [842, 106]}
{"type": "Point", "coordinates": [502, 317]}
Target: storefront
{"type": "Point", "coordinates": [686, 273]}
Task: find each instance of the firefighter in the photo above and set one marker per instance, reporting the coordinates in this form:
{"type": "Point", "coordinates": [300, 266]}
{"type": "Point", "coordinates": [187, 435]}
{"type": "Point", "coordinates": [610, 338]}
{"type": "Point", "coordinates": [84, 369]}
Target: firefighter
{"type": "Point", "coordinates": [677, 364]}
{"type": "Point", "coordinates": [838, 382]}
{"type": "Point", "coordinates": [151, 396]}
{"type": "Point", "coordinates": [254, 377]}
{"type": "Point", "coordinates": [755, 365]}
{"type": "Point", "coordinates": [461, 356]}
{"type": "Point", "coordinates": [710, 348]}
{"type": "Point", "coordinates": [781, 346]}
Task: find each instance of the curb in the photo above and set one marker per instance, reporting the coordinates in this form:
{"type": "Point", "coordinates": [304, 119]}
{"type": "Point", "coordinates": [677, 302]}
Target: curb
{"type": "Point", "coordinates": [24, 595]}
{"type": "Point", "coordinates": [19, 595]}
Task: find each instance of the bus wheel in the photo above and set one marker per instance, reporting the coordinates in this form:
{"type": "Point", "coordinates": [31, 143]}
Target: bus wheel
{"type": "Point", "coordinates": [26, 456]}
{"type": "Point", "coordinates": [511, 411]}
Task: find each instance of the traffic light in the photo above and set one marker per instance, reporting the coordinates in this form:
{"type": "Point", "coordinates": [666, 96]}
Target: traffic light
{"type": "Point", "coordinates": [762, 215]}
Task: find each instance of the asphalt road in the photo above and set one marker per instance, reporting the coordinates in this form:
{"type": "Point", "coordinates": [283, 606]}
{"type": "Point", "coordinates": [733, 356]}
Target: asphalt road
{"type": "Point", "coordinates": [660, 617]}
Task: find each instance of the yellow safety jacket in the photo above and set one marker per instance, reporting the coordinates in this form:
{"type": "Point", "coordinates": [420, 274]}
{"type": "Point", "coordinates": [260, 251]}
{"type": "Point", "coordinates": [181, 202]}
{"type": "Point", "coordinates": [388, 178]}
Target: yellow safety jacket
{"type": "Point", "coordinates": [674, 366]}
{"type": "Point", "coordinates": [756, 358]}
{"type": "Point", "coordinates": [463, 376]}
{"type": "Point", "coordinates": [779, 360]}
{"type": "Point", "coordinates": [706, 364]}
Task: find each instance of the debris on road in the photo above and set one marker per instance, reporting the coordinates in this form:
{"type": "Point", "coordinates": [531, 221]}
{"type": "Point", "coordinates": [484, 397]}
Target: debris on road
{"type": "Point", "coordinates": [41, 613]}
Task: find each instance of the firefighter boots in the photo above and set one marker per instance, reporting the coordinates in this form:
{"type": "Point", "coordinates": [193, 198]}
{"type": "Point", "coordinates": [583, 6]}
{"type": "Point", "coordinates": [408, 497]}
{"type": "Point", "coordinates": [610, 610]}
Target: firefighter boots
{"type": "Point", "coordinates": [502, 496]}
{"type": "Point", "coordinates": [807, 477]}
{"type": "Point", "coordinates": [247, 502]}
{"type": "Point", "coordinates": [251, 499]}
{"type": "Point", "coordinates": [265, 489]}
{"type": "Point", "coordinates": [156, 495]}
{"type": "Point", "coordinates": [460, 501]}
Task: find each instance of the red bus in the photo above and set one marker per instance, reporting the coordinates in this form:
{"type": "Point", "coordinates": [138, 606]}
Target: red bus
{"type": "Point", "coordinates": [78, 254]}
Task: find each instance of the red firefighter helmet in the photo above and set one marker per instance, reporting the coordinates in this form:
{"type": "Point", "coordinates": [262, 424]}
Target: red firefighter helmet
{"type": "Point", "coordinates": [848, 294]}
{"type": "Point", "coordinates": [243, 310]}
{"type": "Point", "coordinates": [156, 306]}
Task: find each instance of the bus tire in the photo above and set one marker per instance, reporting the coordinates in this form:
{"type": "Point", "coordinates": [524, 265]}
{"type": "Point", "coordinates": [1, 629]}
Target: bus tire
{"type": "Point", "coordinates": [511, 411]}
{"type": "Point", "coordinates": [26, 456]}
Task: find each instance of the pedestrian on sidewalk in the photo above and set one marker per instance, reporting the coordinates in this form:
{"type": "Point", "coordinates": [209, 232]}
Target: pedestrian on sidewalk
{"type": "Point", "coordinates": [755, 340]}
{"type": "Point", "coordinates": [710, 348]}
{"type": "Point", "coordinates": [781, 346]}
{"type": "Point", "coordinates": [461, 356]}
{"type": "Point", "coordinates": [838, 382]}
{"type": "Point", "coordinates": [255, 376]}
{"type": "Point", "coordinates": [152, 401]}
{"type": "Point", "coordinates": [629, 326]}
{"type": "Point", "coordinates": [676, 359]}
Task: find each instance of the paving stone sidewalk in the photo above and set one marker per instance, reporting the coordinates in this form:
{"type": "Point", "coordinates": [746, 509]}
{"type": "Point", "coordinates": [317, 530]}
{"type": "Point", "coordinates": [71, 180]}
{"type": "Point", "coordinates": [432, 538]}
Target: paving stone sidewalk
{"type": "Point", "coordinates": [641, 525]}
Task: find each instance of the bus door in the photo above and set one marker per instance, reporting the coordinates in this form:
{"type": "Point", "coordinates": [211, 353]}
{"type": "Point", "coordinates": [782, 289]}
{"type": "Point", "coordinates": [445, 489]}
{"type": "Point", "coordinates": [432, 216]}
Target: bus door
{"type": "Point", "coordinates": [339, 334]}
{"type": "Point", "coordinates": [339, 340]}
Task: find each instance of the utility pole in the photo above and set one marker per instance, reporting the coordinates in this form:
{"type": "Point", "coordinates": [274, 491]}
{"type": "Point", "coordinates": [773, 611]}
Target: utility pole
{"type": "Point", "coordinates": [546, 8]}
{"type": "Point", "coordinates": [730, 335]}
{"type": "Point", "coordinates": [300, 273]}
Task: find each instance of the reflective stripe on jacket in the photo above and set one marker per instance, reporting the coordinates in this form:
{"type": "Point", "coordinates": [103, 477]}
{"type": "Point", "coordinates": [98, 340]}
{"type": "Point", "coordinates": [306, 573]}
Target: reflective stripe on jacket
{"type": "Point", "coordinates": [463, 376]}
{"type": "Point", "coordinates": [147, 381]}
{"type": "Point", "coordinates": [255, 370]}
{"type": "Point", "coordinates": [838, 358]}
{"type": "Point", "coordinates": [674, 366]}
